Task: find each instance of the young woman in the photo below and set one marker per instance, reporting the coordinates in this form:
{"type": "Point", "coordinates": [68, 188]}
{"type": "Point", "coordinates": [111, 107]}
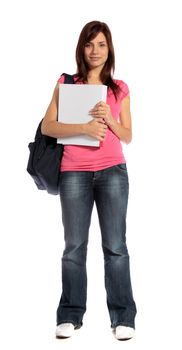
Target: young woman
{"type": "Point", "coordinates": [95, 174]}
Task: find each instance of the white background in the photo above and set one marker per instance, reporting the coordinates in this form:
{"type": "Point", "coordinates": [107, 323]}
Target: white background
{"type": "Point", "coordinates": [38, 41]}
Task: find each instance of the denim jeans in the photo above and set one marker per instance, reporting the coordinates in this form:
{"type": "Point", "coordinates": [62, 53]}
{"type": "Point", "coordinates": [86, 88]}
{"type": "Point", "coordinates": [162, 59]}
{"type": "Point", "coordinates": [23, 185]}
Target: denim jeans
{"type": "Point", "coordinates": [79, 190]}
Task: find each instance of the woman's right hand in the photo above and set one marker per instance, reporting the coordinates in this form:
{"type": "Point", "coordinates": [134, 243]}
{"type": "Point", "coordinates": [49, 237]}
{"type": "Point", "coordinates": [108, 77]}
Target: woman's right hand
{"type": "Point", "coordinates": [96, 128]}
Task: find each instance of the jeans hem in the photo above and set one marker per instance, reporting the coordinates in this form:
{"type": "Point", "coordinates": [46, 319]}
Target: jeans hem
{"type": "Point", "coordinates": [75, 324]}
{"type": "Point", "coordinates": [126, 324]}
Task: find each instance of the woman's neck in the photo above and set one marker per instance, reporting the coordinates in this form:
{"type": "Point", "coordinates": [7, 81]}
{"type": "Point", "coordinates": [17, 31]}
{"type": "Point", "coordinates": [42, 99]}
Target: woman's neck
{"type": "Point", "coordinates": [94, 81]}
{"type": "Point", "coordinates": [94, 77]}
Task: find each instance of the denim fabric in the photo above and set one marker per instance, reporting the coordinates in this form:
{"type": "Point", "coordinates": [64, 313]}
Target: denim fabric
{"type": "Point", "coordinates": [79, 190]}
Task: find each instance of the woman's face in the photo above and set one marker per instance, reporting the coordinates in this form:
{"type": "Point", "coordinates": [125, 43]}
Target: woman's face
{"type": "Point", "coordinates": [96, 51]}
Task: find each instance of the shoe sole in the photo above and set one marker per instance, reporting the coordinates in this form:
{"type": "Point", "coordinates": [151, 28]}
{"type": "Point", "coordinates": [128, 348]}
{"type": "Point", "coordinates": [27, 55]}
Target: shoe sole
{"type": "Point", "coordinates": [62, 337]}
{"type": "Point", "coordinates": [124, 339]}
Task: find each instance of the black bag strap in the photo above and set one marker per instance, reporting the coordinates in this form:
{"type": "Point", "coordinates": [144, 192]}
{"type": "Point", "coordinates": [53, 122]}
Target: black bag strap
{"type": "Point", "coordinates": [68, 80]}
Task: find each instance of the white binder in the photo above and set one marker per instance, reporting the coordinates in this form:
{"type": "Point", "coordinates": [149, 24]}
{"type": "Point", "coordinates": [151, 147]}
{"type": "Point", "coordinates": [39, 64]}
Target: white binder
{"type": "Point", "coordinates": [75, 102]}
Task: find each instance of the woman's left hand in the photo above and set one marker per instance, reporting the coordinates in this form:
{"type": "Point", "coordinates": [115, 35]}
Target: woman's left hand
{"type": "Point", "coordinates": [102, 110]}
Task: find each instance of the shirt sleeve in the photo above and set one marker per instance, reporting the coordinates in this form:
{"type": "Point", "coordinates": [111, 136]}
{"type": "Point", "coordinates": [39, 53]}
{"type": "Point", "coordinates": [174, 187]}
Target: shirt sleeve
{"type": "Point", "coordinates": [124, 89]}
{"type": "Point", "coordinates": [61, 79]}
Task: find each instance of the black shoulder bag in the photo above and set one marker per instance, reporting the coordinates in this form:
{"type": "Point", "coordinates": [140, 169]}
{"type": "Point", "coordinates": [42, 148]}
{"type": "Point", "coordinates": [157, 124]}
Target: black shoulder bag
{"type": "Point", "coordinates": [45, 157]}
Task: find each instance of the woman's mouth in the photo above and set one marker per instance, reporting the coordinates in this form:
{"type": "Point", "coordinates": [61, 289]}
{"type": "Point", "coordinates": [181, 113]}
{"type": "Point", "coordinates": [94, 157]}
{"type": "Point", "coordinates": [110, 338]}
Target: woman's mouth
{"type": "Point", "coordinates": [94, 58]}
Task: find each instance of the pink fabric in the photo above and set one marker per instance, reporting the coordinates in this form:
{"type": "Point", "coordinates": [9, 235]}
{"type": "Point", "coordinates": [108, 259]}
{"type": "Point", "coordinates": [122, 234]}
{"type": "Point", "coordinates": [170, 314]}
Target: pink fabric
{"type": "Point", "coordinates": [110, 153]}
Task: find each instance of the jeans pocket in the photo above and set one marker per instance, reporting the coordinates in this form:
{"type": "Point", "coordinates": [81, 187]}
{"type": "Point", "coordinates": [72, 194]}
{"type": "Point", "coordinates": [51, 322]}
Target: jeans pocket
{"type": "Point", "coordinates": [122, 166]}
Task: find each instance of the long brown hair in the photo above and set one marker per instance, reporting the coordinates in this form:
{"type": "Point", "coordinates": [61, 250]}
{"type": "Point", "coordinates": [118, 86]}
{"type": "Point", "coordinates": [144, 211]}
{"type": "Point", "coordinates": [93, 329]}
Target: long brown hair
{"type": "Point", "coordinates": [89, 32]}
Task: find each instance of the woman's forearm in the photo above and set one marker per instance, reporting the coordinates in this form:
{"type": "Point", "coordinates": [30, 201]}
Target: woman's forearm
{"type": "Point", "coordinates": [57, 129]}
{"type": "Point", "coordinates": [121, 132]}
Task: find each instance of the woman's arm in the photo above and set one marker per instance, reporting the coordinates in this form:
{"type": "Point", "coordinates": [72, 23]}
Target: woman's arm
{"type": "Point", "coordinates": [123, 129]}
{"type": "Point", "coordinates": [51, 127]}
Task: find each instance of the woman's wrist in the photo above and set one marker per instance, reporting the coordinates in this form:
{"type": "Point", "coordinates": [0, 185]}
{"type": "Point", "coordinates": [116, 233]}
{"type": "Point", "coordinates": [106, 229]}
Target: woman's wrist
{"type": "Point", "coordinates": [111, 122]}
{"type": "Point", "coordinates": [83, 128]}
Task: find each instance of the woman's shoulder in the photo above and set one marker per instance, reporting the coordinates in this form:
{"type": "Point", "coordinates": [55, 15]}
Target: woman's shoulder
{"type": "Point", "coordinates": [120, 82]}
{"type": "Point", "coordinates": [61, 79]}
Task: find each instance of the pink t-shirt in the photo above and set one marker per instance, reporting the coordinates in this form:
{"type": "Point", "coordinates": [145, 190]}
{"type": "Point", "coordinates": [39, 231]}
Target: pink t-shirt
{"type": "Point", "coordinates": [110, 153]}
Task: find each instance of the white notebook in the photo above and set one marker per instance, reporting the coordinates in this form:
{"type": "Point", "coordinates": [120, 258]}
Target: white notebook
{"type": "Point", "coordinates": [75, 102]}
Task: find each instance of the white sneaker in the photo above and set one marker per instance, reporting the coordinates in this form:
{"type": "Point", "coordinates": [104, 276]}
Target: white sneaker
{"type": "Point", "coordinates": [124, 333]}
{"type": "Point", "coordinates": [65, 330]}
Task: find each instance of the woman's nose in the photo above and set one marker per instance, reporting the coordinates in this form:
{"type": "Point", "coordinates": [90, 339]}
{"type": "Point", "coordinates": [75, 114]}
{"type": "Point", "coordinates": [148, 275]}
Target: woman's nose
{"type": "Point", "coordinates": [94, 49]}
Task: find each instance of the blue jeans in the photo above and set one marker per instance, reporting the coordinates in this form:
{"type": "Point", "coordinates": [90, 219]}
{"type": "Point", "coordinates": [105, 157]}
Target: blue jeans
{"type": "Point", "coordinates": [78, 191]}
